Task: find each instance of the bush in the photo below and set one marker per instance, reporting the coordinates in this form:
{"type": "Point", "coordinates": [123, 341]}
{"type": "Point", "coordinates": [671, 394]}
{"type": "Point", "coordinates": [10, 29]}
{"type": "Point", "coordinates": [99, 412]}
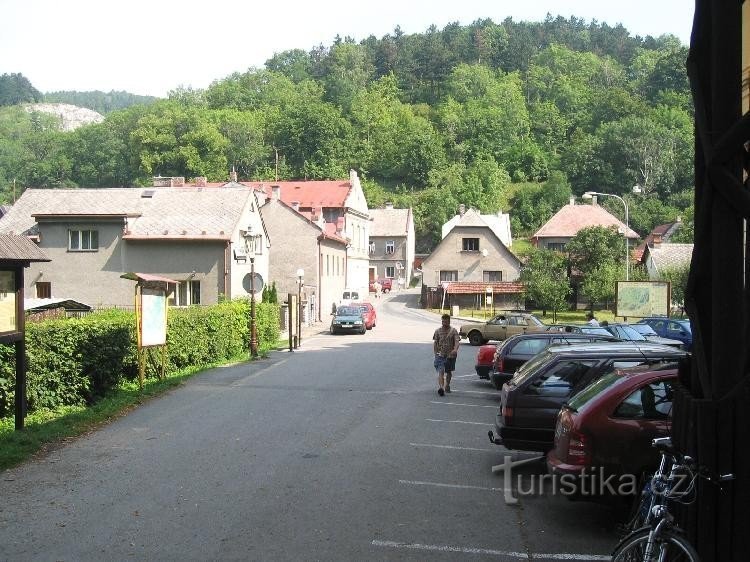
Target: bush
{"type": "Point", "coordinates": [75, 361]}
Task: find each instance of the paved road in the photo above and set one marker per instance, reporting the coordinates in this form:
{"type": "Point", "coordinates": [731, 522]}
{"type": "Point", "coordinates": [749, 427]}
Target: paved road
{"type": "Point", "coordinates": [341, 450]}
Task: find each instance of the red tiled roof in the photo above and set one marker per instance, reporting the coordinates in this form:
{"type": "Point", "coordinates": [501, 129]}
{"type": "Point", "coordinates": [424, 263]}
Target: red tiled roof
{"type": "Point", "coordinates": [330, 232]}
{"type": "Point", "coordinates": [661, 230]}
{"type": "Point", "coordinates": [571, 218]}
{"type": "Point", "coordinates": [474, 287]}
{"type": "Point", "coordinates": [307, 193]}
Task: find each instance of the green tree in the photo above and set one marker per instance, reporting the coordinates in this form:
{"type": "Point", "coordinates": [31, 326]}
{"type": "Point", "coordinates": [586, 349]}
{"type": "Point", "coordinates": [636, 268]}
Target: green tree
{"type": "Point", "coordinates": [546, 282]}
{"type": "Point", "coordinates": [16, 89]}
{"type": "Point", "coordinates": [677, 277]}
{"type": "Point", "coordinates": [594, 246]}
{"type": "Point", "coordinates": [599, 284]}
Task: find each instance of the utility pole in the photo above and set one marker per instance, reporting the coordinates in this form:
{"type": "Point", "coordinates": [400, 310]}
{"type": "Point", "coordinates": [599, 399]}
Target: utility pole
{"type": "Point", "coordinates": [276, 150]}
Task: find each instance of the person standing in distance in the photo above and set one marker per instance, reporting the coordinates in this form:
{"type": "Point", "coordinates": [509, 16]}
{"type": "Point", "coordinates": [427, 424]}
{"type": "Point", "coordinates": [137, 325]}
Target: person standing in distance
{"type": "Point", "coordinates": [445, 342]}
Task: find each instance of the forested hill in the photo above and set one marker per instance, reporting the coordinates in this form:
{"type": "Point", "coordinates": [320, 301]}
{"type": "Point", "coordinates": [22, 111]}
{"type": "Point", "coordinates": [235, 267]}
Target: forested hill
{"type": "Point", "coordinates": [101, 102]}
{"type": "Point", "coordinates": [513, 116]}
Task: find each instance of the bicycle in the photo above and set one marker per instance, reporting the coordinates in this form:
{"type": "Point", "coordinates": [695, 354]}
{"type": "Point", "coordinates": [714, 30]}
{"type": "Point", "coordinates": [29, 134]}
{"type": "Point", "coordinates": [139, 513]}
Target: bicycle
{"type": "Point", "coordinates": [654, 534]}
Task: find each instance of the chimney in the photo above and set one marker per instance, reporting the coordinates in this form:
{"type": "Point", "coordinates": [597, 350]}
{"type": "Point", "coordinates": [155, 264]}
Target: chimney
{"type": "Point", "coordinates": [572, 199]}
{"type": "Point", "coordinates": [656, 241]}
{"type": "Point", "coordinates": [201, 181]}
{"type": "Point", "coordinates": [295, 205]}
{"type": "Point", "coordinates": [233, 175]}
{"type": "Point", "coordinates": [594, 200]}
{"type": "Point", "coordinates": [388, 205]}
{"type": "Point", "coordinates": [276, 192]}
{"type": "Point", "coordinates": [461, 209]}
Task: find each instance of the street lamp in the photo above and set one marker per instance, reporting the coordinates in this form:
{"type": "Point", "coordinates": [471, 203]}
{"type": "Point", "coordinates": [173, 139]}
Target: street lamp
{"type": "Point", "coordinates": [636, 189]}
{"type": "Point", "coordinates": [300, 284]}
{"type": "Point", "coordinates": [253, 329]}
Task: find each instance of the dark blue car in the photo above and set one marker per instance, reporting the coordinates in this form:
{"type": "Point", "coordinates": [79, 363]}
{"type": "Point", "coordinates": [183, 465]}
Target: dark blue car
{"type": "Point", "coordinates": [674, 328]}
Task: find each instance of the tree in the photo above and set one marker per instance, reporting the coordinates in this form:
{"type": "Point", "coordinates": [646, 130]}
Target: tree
{"type": "Point", "coordinates": [16, 89]}
{"type": "Point", "coordinates": [546, 282]}
{"type": "Point", "coordinates": [597, 256]}
{"type": "Point", "coordinates": [677, 277]}
{"type": "Point", "coordinates": [600, 283]}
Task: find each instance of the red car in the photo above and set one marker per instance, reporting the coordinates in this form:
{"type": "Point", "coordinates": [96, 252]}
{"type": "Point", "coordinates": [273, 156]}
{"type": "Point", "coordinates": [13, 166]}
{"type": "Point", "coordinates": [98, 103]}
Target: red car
{"type": "Point", "coordinates": [368, 311]}
{"type": "Point", "coordinates": [386, 284]}
{"type": "Point", "coordinates": [608, 426]}
{"type": "Point", "coordinates": [485, 358]}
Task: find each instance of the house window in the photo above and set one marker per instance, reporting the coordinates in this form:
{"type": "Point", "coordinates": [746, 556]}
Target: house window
{"type": "Point", "coordinates": [187, 293]}
{"type": "Point", "coordinates": [390, 271]}
{"type": "Point", "coordinates": [471, 244]}
{"type": "Point", "coordinates": [83, 240]}
{"type": "Point", "coordinates": [492, 276]}
{"type": "Point", "coordinates": [372, 247]}
{"type": "Point", "coordinates": [448, 275]}
{"type": "Point", "coordinates": [43, 290]}
{"type": "Point", "coordinates": [258, 244]}
{"type": "Point", "coordinates": [556, 246]}
{"type": "Point", "coordinates": [390, 247]}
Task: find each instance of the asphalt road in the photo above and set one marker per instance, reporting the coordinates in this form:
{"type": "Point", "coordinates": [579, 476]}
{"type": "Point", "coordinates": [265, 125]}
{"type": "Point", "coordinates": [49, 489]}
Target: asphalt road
{"type": "Point", "coordinates": [341, 450]}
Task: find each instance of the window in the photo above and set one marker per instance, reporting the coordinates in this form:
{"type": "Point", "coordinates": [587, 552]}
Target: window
{"type": "Point", "coordinates": [529, 347]}
{"type": "Point", "coordinates": [390, 271]}
{"type": "Point", "coordinates": [561, 378]}
{"type": "Point", "coordinates": [471, 244]}
{"type": "Point", "coordinates": [83, 240]}
{"type": "Point", "coordinates": [448, 275]}
{"type": "Point", "coordinates": [187, 293]}
{"type": "Point", "coordinates": [258, 244]}
{"type": "Point", "coordinates": [492, 276]}
{"type": "Point", "coordinates": [652, 401]}
{"type": "Point", "coordinates": [556, 246]}
{"type": "Point", "coordinates": [390, 247]}
{"type": "Point", "coordinates": [372, 247]}
{"type": "Point", "coordinates": [43, 290]}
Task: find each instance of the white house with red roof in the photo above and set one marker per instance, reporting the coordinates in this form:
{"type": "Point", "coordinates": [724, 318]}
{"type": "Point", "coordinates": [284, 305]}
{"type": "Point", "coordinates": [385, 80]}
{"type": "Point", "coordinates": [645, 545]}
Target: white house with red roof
{"type": "Point", "coordinates": [343, 207]}
{"type": "Point", "coordinates": [568, 221]}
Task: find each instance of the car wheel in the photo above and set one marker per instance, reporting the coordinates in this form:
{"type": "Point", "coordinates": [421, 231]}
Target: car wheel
{"type": "Point", "coordinates": [475, 338]}
{"type": "Point", "coordinates": [363, 331]}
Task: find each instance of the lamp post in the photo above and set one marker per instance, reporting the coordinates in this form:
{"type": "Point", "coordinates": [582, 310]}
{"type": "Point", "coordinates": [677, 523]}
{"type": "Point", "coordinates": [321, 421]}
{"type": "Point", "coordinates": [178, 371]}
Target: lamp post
{"type": "Point", "coordinates": [249, 249]}
{"type": "Point", "coordinates": [300, 284]}
{"type": "Point", "coordinates": [636, 189]}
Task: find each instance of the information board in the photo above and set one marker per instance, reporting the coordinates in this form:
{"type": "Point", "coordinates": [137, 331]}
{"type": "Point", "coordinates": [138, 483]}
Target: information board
{"type": "Point", "coordinates": [153, 317]}
{"type": "Point", "coordinates": [8, 321]}
{"type": "Point", "coordinates": [639, 299]}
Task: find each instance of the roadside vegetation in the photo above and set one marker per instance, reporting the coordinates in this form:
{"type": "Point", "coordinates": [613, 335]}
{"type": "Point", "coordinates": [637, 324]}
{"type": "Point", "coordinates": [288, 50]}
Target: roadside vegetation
{"type": "Point", "coordinates": [83, 372]}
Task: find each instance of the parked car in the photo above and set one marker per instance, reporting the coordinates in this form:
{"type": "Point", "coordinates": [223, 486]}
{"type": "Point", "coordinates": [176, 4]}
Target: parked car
{"type": "Point", "coordinates": [628, 332]}
{"type": "Point", "coordinates": [501, 327]}
{"type": "Point", "coordinates": [579, 329]}
{"type": "Point", "coordinates": [531, 400]}
{"type": "Point", "coordinates": [610, 424]}
{"type": "Point", "coordinates": [674, 328]}
{"type": "Point", "coordinates": [517, 350]}
{"type": "Point", "coordinates": [386, 284]}
{"type": "Point", "coordinates": [348, 319]}
{"type": "Point", "coordinates": [368, 311]}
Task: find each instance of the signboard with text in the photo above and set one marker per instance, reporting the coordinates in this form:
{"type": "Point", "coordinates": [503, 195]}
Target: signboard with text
{"type": "Point", "coordinates": [639, 299]}
{"type": "Point", "coordinates": [8, 320]}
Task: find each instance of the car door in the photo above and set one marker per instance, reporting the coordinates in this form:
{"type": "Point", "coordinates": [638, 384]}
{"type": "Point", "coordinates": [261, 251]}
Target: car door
{"type": "Point", "coordinates": [637, 419]}
{"type": "Point", "coordinates": [497, 328]}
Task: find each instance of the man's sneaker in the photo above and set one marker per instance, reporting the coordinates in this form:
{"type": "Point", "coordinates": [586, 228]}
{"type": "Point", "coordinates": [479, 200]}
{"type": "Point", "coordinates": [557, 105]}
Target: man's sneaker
{"type": "Point", "coordinates": [441, 392]}
{"type": "Point", "coordinates": [447, 388]}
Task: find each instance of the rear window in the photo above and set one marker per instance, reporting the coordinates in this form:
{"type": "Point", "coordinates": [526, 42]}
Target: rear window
{"type": "Point", "coordinates": [530, 367]}
{"type": "Point", "coordinates": [652, 401]}
{"type": "Point", "coordinates": [580, 400]}
{"type": "Point", "coordinates": [530, 346]}
{"type": "Point", "coordinates": [564, 375]}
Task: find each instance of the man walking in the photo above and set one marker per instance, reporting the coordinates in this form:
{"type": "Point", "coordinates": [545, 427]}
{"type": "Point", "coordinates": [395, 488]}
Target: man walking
{"type": "Point", "coordinates": [445, 345]}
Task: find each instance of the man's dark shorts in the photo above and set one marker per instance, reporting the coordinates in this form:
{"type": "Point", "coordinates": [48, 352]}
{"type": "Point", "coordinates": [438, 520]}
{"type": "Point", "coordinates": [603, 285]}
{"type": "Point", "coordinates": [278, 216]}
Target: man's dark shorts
{"type": "Point", "coordinates": [448, 364]}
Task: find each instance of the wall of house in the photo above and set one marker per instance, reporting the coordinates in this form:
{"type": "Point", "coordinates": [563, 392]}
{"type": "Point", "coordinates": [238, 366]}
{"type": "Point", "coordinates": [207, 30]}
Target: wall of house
{"type": "Point", "coordinates": [93, 277]}
{"type": "Point", "coordinates": [332, 275]}
{"type": "Point", "coordinates": [237, 270]}
{"type": "Point", "coordinates": [357, 229]}
{"type": "Point", "coordinates": [449, 255]}
{"type": "Point", "coordinates": [380, 260]}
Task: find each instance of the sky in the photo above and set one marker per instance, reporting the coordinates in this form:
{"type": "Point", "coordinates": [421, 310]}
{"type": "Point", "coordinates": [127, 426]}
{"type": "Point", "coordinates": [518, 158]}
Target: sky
{"type": "Point", "coordinates": [150, 47]}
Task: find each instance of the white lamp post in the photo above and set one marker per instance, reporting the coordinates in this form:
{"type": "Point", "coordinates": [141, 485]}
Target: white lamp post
{"type": "Point", "coordinates": [636, 189]}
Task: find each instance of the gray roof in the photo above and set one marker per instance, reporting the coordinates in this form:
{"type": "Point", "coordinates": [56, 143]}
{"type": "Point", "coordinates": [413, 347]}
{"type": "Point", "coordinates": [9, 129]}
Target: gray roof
{"type": "Point", "coordinates": [389, 222]}
{"type": "Point", "coordinates": [164, 212]}
{"type": "Point", "coordinates": [666, 256]}
{"type": "Point", "coordinates": [20, 248]}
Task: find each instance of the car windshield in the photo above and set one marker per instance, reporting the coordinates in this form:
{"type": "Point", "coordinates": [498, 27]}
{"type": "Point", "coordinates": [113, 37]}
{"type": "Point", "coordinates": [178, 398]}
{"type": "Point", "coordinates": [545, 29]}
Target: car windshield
{"type": "Point", "coordinates": [579, 401]}
{"type": "Point", "coordinates": [530, 366]}
{"type": "Point", "coordinates": [347, 311]}
{"type": "Point", "coordinates": [644, 329]}
{"type": "Point", "coordinates": [626, 333]}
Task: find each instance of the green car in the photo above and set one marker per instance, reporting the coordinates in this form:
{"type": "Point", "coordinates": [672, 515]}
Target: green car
{"type": "Point", "coordinates": [348, 319]}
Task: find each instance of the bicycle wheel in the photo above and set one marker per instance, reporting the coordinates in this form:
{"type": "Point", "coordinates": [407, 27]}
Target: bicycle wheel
{"type": "Point", "coordinates": [669, 547]}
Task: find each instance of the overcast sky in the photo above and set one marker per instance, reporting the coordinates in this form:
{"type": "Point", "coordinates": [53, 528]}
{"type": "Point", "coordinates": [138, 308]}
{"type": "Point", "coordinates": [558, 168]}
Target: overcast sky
{"type": "Point", "coordinates": [149, 47]}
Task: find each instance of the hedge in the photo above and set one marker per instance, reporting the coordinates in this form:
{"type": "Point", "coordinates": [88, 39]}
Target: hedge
{"type": "Point", "coordinates": [75, 361]}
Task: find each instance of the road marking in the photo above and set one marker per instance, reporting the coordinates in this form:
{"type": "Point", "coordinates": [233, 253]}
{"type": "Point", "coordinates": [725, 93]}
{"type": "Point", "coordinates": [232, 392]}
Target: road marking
{"type": "Point", "coordinates": [462, 376]}
{"type": "Point", "coordinates": [459, 404]}
{"type": "Point", "coordinates": [459, 421]}
{"type": "Point", "coordinates": [487, 551]}
{"type": "Point", "coordinates": [496, 393]}
{"type": "Point", "coordinates": [456, 486]}
{"type": "Point", "coordinates": [451, 447]}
